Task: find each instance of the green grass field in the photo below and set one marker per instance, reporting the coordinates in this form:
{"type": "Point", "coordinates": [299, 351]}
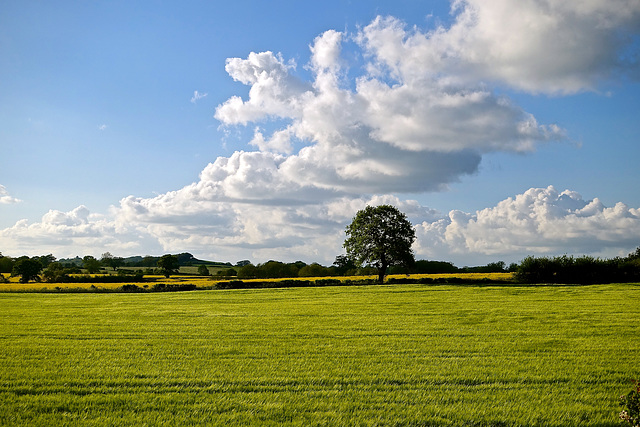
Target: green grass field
{"type": "Point", "coordinates": [405, 355]}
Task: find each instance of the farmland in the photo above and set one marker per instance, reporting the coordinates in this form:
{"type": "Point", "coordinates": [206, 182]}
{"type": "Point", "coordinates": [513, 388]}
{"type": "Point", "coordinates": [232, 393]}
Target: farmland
{"type": "Point", "coordinates": [360, 355]}
{"type": "Point", "coordinates": [202, 282]}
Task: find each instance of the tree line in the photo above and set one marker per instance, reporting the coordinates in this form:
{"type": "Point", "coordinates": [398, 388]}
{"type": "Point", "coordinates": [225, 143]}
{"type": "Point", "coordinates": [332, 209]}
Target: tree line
{"type": "Point", "coordinates": [48, 268]}
{"type": "Point", "coordinates": [581, 270]}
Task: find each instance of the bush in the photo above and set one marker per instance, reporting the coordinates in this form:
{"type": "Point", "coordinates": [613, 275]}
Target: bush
{"type": "Point", "coordinates": [631, 406]}
{"type": "Point", "coordinates": [162, 287]}
{"type": "Point", "coordinates": [131, 288]}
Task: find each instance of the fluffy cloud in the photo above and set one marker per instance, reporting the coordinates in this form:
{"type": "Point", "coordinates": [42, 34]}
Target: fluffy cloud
{"type": "Point", "coordinates": [422, 111]}
{"type": "Point", "coordinates": [549, 46]}
{"type": "Point", "coordinates": [539, 221]}
{"type": "Point", "coordinates": [71, 233]}
{"type": "Point", "coordinates": [410, 135]}
{"type": "Point", "coordinates": [5, 198]}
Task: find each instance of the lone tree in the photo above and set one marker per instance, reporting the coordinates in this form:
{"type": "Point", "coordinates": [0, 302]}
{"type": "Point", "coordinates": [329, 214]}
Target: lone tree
{"type": "Point", "coordinates": [169, 265]}
{"type": "Point", "coordinates": [381, 237]}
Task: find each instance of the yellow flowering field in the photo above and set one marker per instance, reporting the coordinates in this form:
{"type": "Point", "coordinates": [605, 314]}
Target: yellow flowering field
{"type": "Point", "coordinates": [13, 284]}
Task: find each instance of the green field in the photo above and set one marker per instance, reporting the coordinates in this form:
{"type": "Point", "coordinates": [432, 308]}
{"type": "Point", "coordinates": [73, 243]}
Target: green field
{"type": "Point", "coordinates": [407, 355]}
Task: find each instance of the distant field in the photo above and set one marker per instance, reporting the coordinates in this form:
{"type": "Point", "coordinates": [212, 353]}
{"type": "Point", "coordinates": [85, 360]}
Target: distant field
{"type": "Point", "coordinates": [403, 355]}
{"type": "Point", "coordinates": [205, 282]}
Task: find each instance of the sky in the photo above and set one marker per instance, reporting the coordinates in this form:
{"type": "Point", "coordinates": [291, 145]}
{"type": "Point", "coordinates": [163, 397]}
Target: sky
{"type": "Point", "coordinates": [256, 130]}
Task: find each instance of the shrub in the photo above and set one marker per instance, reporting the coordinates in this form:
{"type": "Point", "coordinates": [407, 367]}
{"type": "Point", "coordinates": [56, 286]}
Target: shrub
{"type": "Point", "coordinates": [170, 287]}
{"type": "Point", "coordinates": [131, 288]}
{"type": "Point", "coordinates": [631, 406]}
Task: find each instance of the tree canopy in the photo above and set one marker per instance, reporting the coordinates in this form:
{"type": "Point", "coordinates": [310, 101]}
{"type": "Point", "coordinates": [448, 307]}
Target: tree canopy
{"type": "Point", "coordinates": [109, 260]}
{"type": "Point", "coordinates": [169, 264]}
{"type": "Point", "coordinates": [27, 268]}
{"type": "Point", "coordinates": [91, 264]}
{"type": "Point", "coordinates": [380, 236]}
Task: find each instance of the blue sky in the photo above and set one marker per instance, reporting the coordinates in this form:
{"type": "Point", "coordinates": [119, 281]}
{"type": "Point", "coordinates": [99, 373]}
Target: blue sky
{"type": "Point", "coordinates": [502, 129]}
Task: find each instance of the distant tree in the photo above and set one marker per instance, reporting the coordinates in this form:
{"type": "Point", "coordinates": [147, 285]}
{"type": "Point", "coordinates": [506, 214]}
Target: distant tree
{"type": "Point", "coordinates": [168, 265]}
{"type": "Point", "coordinates": [434, 267]}
{"type": "Point", "coordinates": [185, 258]}
{"type": "Point", "coordinates": [344, 265]}
{"type": "Point", "coordinates": [149, 261]}
{"type": "Point", "coordinates": [109, 260]}
{"type": "Point", "coordinates": [27, 268]}
{"type": "Point", "coordinates": [380, 236]}
{"type": "Point", "coordinates": [274, 269]}
{"type": "Point", "coordinates": [229, 272]}
{"type": "Point", "coordinates": [45, 260]}
{"type": "Point", "coordinates": [91, 264]}
{"type": "Point", "coordinates": [203, 270]}
{"type": "Point", "coordinates": [243, 263]}
{"type": "Point", "coordinates": [6, 264]}
{"type": "Point", "coordinates": [314, 270]}
{"type": "Point", "coordinates": [55, 273]}
{"type": "Point", "coordinates": [492, 267]}
{"type": "Point", "coordinates": [106, 258]}
{"type": "Point", "coordinates": [248, 271]}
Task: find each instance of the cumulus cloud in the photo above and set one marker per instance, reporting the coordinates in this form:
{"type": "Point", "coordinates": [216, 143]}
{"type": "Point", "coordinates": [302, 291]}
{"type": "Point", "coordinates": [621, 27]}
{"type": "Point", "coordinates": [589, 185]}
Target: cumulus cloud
{"type": "Point", "coordinates": [71, 233]}
{"type": "Point", "coordinates": [549, 46]}
{"type": "Point", "coordinates": [540, 221]}
{"type": "Point", "coordinates": [410, 135]}
{"type": "Point", "coordinates": [423, 109]}
{"type": "Point", "coordinates": [6, 198]}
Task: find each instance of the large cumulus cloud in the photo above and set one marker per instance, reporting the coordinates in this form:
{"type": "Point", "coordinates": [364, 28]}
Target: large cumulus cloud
{"type": "Point", "coordinates": [548, 46]}
{"type": "Point", "coordinates": [381, 132]}
{"type": "Point", "coordinates": [540, 221]}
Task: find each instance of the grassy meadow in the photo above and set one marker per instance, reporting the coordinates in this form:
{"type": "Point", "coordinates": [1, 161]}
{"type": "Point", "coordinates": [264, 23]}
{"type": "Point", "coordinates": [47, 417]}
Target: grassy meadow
{"type": "Point", "coordinates": [401, 355]}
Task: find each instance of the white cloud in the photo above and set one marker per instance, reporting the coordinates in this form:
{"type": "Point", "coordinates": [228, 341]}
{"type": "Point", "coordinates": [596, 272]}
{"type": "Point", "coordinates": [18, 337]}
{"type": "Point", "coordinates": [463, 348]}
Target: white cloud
{"type": "Point", "coordinates": [72, 233]}
{"type": "Point", "coordinates": [102, 127]}
{"type": "Point", "coordinates": [413, 135]}
{"type": "Point", "coordinates": [550, 46]}
{"type": "Point", "coordinates": [280, 141]}
{"type": "Point", "coordinates": [274, 91]}
{"type": "Point", "coordinates": [198, 219]}
{"type": "Point", "coordinates": [421, 114]}
{"type": "Point", "coordinates": [325, 52]}
{"type": "Point", "coordinates": [197, 95]}
{"type": "Point", "coordinates": [5, 198]}
{"type": "Point", "coordinates": [541, 221]}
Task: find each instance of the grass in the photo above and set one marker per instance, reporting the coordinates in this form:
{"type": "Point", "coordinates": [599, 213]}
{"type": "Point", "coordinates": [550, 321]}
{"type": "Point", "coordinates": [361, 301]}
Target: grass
{"type": "Point", "coordinates": [375, 355]}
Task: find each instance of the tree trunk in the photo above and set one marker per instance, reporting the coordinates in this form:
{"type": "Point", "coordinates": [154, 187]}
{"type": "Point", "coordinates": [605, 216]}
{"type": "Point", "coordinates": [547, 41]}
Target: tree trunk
{"type": "Point", "coordinates": [381, 273]}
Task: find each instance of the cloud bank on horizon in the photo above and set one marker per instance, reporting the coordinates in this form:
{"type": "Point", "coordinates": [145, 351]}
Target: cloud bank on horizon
{"type": "Point", "coordinates": [422, 112]}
